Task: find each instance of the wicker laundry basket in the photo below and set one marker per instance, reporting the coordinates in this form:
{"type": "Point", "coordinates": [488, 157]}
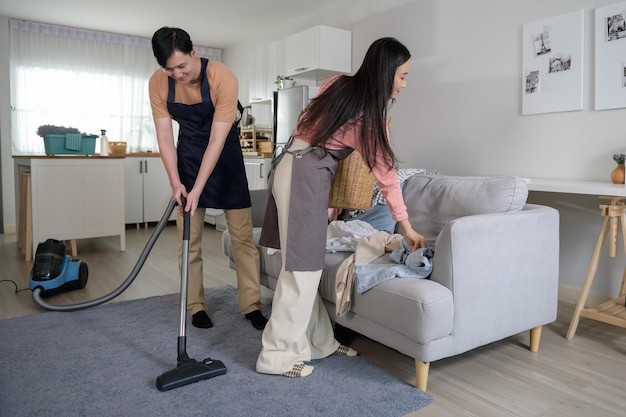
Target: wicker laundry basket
{"type": "Point", "coordinates": [353, 184]}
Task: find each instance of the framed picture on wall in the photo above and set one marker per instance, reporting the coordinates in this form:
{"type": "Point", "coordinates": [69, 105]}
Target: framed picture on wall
{"type": "Point", "coordinates": [610, 43]}
{"type": "Point", "coordinates": [532, 82]}
{"type": "Point", "coordinates": [553, 64]}
{"type": "Point", "coordinates": [542, 43]}
{"type": "Point", "coordinates": [615, 27]}
{"type": "Point", "coordinates": [560, 62]}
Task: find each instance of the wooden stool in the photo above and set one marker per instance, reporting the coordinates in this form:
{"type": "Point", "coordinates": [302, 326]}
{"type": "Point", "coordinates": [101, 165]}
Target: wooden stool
{"type": "Point", "coordinates": [20, 215]}
{"type": "Point", "coordinates": [25, 217]}
{"type": "Point", "coordinates": [25, 220]}
{"type": "Point", "coordinates": [612, 311]}
{"type": "Point", "coordinates": [71, 244]}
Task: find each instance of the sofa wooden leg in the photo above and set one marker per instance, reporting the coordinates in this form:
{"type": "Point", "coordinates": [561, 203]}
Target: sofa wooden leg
{"type": "Point", "coordinates": [72, 245]}
{"type": "Point", "coordinates": [535, 337]}
{"type": "Point", "coordinates": [421, 374]}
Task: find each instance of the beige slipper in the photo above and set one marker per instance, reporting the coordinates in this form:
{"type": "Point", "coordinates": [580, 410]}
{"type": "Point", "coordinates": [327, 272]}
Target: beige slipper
{"type": "Point", "coordinates": [344, 350]}
{"type": "Point", "coordinates": [299, 370]}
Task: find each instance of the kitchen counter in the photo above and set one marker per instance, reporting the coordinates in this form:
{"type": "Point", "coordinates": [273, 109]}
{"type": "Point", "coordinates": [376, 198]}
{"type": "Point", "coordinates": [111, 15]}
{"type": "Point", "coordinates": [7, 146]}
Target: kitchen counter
{"type": "Point", "coordinates": [143, 154]}
{"type": "Point", "coordinates": [96, 156]}
{"type": "Point", "coordinates": [112, 156]}
{"type": "Point", "coordinates": [74, 196]}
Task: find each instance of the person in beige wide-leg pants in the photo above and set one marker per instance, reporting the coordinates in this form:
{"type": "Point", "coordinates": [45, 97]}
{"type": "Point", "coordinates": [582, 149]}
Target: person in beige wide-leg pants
{"type": "Point", "coordinates": [348, 114]}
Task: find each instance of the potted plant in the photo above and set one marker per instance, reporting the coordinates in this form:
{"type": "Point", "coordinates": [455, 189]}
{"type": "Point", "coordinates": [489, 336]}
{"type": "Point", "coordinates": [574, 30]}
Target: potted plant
{"type": "Point", "coordinates": [284, 81]}
{"type": "Point", "coordinates": [618, 174]}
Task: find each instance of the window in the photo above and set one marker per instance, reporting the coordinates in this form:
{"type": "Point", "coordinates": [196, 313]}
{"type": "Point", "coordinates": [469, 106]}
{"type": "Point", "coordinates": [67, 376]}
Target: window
{"type": "Point", "coordinates": [83, 79]}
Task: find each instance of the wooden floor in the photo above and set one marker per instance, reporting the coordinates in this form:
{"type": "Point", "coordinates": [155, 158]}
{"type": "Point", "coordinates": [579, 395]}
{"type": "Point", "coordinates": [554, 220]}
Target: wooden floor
{"type": "Point", "coordinates": [583, 376]}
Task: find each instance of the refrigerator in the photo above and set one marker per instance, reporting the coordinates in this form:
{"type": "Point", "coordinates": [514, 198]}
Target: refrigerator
{"type": "Point", "coordinates": [288, 103]}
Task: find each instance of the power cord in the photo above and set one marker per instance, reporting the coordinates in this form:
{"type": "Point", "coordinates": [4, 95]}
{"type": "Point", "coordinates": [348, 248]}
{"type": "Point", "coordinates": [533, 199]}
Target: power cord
{"type": "Point", "coordinates": [14, 283]}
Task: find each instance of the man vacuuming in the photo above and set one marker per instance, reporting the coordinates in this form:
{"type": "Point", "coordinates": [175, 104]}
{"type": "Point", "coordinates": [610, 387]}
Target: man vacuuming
{"type": "Point", "coordinates": [206, 165]}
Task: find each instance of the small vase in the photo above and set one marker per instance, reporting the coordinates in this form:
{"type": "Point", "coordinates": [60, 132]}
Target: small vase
{"type": "Point", "coordinates": [286, 84]}
{"type": "Point", "coordinates": [618, 175]}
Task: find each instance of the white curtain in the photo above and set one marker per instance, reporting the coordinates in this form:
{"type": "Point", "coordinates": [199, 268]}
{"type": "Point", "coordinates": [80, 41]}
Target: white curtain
{"type": "Point", "coordinates": [84, 79]}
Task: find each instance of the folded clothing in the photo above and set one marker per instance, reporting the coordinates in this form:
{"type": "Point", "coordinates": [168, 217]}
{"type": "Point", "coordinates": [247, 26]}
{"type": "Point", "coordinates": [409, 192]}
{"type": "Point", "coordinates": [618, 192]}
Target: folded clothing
{"type": "Point", "coordinates": [408, 264]}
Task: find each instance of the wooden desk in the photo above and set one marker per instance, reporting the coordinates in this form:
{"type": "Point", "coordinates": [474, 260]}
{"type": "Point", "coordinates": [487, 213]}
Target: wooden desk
{"type": "Point", "coordinates": [74, 197]}
{"type": "Point", "coordinates": [576, 187]}
{"type": "Point", "coordinates": [613, 311]}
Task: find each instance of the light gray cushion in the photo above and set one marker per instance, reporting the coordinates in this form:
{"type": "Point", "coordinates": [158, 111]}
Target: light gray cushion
{"type": "Point", "coordinates": [434, 200]}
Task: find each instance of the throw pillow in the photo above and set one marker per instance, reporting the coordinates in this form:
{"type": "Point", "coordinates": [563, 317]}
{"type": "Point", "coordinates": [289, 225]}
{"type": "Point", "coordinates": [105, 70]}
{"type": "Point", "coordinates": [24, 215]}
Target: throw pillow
{"type": "Point", "coordinates": [434, 200]}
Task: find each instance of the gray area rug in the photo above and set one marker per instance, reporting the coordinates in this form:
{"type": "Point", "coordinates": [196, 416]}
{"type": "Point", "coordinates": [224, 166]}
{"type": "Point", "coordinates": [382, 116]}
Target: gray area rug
{"type": "Point", "coordinates": [104, 361]}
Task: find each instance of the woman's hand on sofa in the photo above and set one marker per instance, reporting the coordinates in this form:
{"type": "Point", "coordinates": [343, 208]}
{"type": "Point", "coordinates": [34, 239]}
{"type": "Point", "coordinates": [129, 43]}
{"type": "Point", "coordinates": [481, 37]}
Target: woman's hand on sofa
{"type": "Point", "coordinates": [412, 237]}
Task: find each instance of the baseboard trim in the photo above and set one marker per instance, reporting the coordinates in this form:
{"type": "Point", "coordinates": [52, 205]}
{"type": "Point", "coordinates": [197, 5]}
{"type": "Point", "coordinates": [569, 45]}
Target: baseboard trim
{"type": "Point", "coordinates": [570, 295]}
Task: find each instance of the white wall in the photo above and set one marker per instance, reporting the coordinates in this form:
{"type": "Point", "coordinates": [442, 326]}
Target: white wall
{"type": "Point", "coordinates": [461, 112]}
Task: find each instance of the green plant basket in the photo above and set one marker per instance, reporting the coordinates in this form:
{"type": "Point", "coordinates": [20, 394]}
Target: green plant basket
{"type": "Point", "coordinates": [70, 144]}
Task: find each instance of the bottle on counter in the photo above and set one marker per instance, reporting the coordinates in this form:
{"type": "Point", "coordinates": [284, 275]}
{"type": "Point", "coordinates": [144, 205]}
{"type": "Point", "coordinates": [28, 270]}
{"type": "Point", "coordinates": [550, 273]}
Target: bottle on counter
{"type": "Point", "coordinates": [104, 143]}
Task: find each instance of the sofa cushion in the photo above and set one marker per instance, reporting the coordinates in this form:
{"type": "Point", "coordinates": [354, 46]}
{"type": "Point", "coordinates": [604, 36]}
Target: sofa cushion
{"type": "Point", "coordinates": [434, 200]}
{"type": "Point", "coordinates": [420, 309]}
{"type": "Point", "coordinates": [379, 215]}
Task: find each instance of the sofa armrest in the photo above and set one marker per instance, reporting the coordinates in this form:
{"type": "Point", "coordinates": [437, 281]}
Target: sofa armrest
{"type": "Point", "coordinates": [503, 271]}
{"type": "Point", "coordinates": [259, 203]}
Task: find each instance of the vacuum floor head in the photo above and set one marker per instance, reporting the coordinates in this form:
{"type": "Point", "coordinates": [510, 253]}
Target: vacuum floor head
{"type": "Point", "coordinates": [189, 371]}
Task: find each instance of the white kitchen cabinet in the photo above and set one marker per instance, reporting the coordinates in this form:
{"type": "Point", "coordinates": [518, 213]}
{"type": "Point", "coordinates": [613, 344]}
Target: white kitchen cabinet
{"type": "Point", "coordinates": [267, 62]}
{"type": "Point", "coordinates": [257, 77]}
{"type": "Point", "coordinates": [74, 197]}
{"type": "Point", "coordinates": [318, 53]}
{"type": "Point", "coordinates": [147, 190]}
{"type": "Point", "coordinates": [257, 171]}
{"type": "Point", "coordinates": [274, 65]}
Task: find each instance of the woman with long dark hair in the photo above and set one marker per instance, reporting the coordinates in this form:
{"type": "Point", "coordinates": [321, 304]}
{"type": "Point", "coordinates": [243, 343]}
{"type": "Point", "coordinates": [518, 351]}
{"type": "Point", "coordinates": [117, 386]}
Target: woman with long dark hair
{"type": "Point", "coordinates": [349, 113]}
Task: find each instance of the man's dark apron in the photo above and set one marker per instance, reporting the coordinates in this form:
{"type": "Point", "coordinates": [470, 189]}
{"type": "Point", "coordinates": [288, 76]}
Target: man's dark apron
{"type": "Point", "coordinates": [227, 186]}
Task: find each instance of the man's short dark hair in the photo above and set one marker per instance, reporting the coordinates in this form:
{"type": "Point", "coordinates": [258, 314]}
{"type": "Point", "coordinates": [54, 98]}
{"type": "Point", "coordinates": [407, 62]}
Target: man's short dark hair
{"type": "Point", "coordinates": [167, 40]}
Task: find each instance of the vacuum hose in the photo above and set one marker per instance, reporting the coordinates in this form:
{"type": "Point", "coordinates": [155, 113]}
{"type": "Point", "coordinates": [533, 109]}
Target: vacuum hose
{"type": "Point", "coordinates": [133, 274]}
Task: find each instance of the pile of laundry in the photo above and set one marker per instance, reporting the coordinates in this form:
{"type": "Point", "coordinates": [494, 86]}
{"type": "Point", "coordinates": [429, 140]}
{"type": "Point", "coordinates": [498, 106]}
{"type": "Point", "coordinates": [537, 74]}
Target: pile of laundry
{"type": "Point", "coordinates": [368, 244]}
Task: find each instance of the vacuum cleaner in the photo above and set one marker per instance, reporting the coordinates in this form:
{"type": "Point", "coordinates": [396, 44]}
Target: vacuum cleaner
{"type": "Point", "coordinates": [53, 272]}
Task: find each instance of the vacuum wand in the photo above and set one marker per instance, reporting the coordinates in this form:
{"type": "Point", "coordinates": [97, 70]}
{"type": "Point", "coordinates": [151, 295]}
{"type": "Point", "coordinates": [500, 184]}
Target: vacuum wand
{"type": "Point", "coordinates": [182, 338]}
{"type": "Point", "coordinates": [187, 370]}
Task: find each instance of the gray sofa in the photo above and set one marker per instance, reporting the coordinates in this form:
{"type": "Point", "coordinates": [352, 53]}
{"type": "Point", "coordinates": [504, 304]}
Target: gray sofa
{"type": "Point", "coordinates": [495, 270]}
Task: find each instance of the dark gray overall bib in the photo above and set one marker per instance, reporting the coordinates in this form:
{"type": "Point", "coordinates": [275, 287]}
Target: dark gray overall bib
{"type": "Point", "coordinates": [312, 173]}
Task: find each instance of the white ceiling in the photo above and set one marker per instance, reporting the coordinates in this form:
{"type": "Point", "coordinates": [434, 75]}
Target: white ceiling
{"type": "Point", "coordinates": [213, 23]}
